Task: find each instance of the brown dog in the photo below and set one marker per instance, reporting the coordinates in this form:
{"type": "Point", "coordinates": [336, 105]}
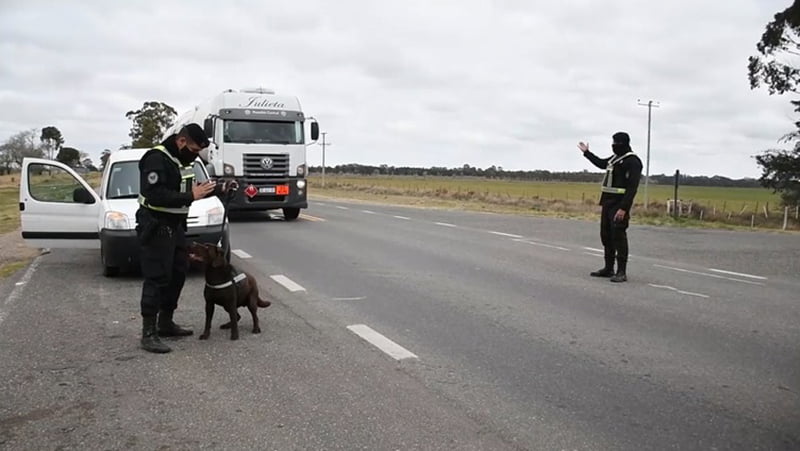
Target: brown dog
{"type": "Point", "coordinates": [227, 288]}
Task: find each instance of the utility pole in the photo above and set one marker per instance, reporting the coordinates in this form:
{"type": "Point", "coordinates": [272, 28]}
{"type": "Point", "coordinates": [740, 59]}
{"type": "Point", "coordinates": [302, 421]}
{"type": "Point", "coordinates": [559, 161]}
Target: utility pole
{"type": "Point", "coordinates": [650, 104]}
{"type": "Point", "coordinates": [323, 157]}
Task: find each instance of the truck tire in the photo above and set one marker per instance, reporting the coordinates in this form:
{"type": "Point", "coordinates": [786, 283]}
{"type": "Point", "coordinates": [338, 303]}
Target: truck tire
{"type": "Point", "coordinates": [290, 214]}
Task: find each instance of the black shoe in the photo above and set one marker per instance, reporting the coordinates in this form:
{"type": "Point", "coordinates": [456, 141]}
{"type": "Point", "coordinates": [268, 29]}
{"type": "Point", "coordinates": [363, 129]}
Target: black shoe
{"type": "Point", "coordinates": [168, 328]}
{"type": "Point", "coordinates": [150, 341]}
{"type": "Point", "coordinates": [605, 272]}
{"type": "Point", "coordinates": [619, 277]}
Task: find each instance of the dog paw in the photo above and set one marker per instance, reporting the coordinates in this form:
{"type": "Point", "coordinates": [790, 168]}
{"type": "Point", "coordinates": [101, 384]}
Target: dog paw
{"type": "Point", "coordinates": [256, 330]}
{"type": "Point", "coordinates": [234, 337]}
{"type": "Point", "coordinates": [204, 337]}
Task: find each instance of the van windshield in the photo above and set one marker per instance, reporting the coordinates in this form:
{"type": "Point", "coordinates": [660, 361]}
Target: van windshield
{"type": "Point", "coordinates": [123, 180]}
{"type": "Point", "coordinates": [263, 132]}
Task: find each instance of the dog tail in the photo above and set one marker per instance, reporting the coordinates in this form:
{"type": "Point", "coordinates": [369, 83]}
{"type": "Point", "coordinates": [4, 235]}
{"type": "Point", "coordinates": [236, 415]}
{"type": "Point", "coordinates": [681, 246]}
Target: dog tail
{"type": "Point", "coordinates": [262, 303]}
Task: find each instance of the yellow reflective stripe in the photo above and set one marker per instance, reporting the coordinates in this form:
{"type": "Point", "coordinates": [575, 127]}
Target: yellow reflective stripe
{"type": "Point", "coordinates": [608, 189]}
{"type": "Point", "coordinates": [176, 211]}
{"type": "Point", "coordinates": [169, 155]}
{"type": "Point", "coordinates": [608, 179]}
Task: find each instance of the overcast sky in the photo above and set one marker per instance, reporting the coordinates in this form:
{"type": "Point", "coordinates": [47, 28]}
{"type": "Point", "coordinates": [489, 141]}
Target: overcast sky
{"type": "Point", "coordinates": [412, 83]}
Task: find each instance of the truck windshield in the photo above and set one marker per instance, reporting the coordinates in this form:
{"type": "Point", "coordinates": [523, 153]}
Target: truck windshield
{"type": "Point", "coordinates": [123, 180]}
{"type": "Point", "coordinates": [263, 132]}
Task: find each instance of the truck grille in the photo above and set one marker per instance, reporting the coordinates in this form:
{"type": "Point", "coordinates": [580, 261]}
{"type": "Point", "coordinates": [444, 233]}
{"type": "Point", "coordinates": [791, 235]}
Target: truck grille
{"type": "Point", "coordinates": [257, 175]}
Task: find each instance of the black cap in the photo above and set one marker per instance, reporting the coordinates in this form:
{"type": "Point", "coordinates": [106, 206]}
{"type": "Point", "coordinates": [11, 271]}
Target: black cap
{"type": "Point", "coordinates": [621, 138]}
{"type": "Point", "coordinates": [196, 134]}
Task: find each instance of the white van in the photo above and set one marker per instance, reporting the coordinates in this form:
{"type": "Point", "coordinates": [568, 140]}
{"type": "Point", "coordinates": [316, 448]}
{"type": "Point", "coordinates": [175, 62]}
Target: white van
{"type": "Point", "coordinates": [58, 209]}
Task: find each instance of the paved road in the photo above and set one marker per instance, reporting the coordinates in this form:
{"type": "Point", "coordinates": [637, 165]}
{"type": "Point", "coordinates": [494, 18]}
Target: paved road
{"type": "Point", "coordinates": [513, 346]}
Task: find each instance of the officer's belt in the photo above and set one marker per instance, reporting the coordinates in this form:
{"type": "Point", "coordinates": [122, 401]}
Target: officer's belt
{"type": "Point", "coordinates": [240, 277]}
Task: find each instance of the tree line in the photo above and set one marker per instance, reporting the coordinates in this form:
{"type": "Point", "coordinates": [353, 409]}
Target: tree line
{"type": "Point", "coordinates": [45, 143]}
{"type": "Point", "coordinates": [538, 175]}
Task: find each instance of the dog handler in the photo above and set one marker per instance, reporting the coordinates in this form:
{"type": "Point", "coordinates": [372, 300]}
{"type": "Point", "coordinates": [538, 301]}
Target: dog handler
{"type": "Point", "coordinates": [167, 189]}
{"type": "Point", "coordinates": [623, 171]}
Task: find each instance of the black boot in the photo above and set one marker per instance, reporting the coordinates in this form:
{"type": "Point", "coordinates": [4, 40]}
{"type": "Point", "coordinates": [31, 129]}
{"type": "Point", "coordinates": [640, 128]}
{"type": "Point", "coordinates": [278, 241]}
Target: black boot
{"type": "Point", "coordinates": [620, 276]}
{"type": "Point", "coordinates": [150, 340]}
{"type": "Point", "coordinates": [167, 328]}
{"type": "Point", "coordinates": [608, 270]}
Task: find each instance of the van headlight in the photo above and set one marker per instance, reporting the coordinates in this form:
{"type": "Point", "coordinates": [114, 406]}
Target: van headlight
{"type": "Point", "coordinates": [301, 170]}
{"type": "Point", "coordinates": [116, 220]}
{"type": "Point", "coordinates": [215, 215]}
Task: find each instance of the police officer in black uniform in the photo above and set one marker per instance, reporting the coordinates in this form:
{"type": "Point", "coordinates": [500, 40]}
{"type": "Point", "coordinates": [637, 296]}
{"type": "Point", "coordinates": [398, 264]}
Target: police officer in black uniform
{"type": "Point", "coordinates": [623, 171]}
{"type": "Point", "coordinates": [167, 189]}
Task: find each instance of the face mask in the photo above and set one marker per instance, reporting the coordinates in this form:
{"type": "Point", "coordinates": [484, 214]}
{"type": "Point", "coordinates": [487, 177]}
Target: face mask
{"type": "Point", "coordinates": [620, 149]}
{"type": "Point", "coordinates": [186, 156]}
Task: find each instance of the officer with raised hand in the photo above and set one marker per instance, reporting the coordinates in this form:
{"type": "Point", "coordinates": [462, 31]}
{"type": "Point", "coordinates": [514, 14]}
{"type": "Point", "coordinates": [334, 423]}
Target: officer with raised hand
{"type": "Point", "coordinates": [623, 171]}
{"type": "Point", "coordinates": [167, 189]}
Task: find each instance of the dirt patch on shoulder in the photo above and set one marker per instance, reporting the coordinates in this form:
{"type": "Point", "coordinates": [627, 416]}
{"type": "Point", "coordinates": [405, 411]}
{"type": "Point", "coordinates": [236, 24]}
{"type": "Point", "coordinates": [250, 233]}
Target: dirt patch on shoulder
{"type": "Point", "coordinates": [13, 249]}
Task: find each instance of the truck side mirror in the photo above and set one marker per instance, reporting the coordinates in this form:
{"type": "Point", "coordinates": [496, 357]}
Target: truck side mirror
{"type": "Point", "coordinates": [208, 127]}
{"type": "Point", "coordinates": [314, 131]}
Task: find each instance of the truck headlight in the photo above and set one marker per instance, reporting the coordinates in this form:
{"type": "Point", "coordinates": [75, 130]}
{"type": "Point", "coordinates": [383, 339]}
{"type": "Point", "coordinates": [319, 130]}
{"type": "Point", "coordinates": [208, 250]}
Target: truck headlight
{"type": "Point", "coordinates": [301, 170]}
{"type": "Point", "coordinates": [228, 169]}
{"type": "Point", "coordinates": [301, 184]}
{"type": "Point", "coordinates": [215, 215]}
{"type": "Point", "coordinates": [116, 220]}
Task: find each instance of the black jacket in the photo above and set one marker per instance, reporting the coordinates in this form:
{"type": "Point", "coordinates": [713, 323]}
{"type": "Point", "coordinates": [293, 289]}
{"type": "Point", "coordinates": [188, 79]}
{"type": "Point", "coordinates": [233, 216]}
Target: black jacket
{"type": "Point", "coordinates": [627, 173]}
{"type": "Point", "coordinates": [160, 182]}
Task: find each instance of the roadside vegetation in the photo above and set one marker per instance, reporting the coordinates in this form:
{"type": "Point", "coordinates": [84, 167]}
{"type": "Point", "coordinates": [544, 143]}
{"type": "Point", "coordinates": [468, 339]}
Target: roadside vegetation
{"type": "Point", "coordinates": [718, 207]}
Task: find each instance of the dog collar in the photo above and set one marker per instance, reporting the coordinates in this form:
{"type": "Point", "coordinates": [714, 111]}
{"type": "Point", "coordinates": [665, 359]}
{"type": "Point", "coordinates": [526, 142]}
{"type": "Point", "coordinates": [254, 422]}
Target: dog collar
{"type": "Point", "coordinates": [240, 277]}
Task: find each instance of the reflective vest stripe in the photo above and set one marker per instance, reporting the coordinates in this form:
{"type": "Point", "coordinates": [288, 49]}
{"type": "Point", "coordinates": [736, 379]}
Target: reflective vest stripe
{"type": "Point", "coordinates": [608, 180]}
{"type": "Point", "coordinates": [175, 210]}
{"type": "Point", "coordinates": [187, 177]}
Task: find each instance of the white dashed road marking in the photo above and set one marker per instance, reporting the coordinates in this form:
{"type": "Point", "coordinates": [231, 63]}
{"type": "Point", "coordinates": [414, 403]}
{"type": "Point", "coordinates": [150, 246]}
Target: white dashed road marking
{"type": "Point", "coordinates": [593, 249]}
{"type": "Point", "coordinates": [342, 208]}
{"type": "Point", "coordinates": [17, 291]}
{"type": "Point", "coordinates": [287, 283]}
{"type": "Point", "coordinates": [369, 212]}
{"type": "Point", "coordinates": [241, 254]}
{"type": "Point", "coordinates": [731, 273]}
{"type": "Point", "coordinates": [444, 224]}
{"type": "Point", "coordinates": [709, 275]}
{"type": "Point", "coordinates": [405, 218]}
{"type": "Point", "coordinates": [357, 298]}
{"type": "Point", "coordinates": [394, 350]}
{"type": "Point", "coordinates": [689, 293]}
{"type": "Point", "coordinates": [510, 235]}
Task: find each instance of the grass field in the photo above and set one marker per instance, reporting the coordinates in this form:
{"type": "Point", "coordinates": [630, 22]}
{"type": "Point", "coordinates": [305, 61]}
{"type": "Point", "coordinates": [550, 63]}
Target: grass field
{"type": "Point", "coordinates": [713, 206]}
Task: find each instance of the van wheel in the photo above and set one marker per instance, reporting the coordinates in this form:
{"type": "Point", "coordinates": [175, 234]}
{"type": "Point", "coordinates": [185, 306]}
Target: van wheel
{"type": "Point", "coordinates": [108, 271]}
{"type": "Point", "coordinates": [290, 214]}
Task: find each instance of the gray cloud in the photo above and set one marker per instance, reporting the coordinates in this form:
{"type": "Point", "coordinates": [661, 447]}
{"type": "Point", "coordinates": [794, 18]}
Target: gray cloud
{"type": "Point", "coordinates": [510, 83]}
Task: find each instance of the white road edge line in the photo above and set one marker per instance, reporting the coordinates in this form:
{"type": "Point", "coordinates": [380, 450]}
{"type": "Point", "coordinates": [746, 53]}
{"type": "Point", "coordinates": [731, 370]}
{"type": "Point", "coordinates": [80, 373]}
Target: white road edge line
{"type": "Point", "coordinates": [709, 275]}
{"type": "Point", "coordinates": [241, 254]}
{"type": "Point", "coordinates": [391, 348]}
{"type": "Point", "coordinates": [740, 274]}
{"type": "Point", "coordinates": [20, 286]}
{"type": "Point", "coordinates": [533, 243]}
{"type": "Point", "coordinates": [402, 217]}
{"type": "Point", "coordinates": [287, 283]}
{"type": "Point", "coordinates": [510, 235]}
{"type": "Point", "coordinates": [689, 293]}
{"type": "Point", "coordinates": [445, 224]}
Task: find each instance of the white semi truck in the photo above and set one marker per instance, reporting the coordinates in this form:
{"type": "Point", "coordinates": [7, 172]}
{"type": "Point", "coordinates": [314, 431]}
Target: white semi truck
{"type": "Point", "coordinates": [257, 138]}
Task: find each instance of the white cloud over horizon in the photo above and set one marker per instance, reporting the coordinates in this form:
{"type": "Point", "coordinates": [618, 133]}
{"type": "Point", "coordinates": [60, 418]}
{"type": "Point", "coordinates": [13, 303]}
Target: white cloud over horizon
{"type": "Point", "coordinates": [509, 83]}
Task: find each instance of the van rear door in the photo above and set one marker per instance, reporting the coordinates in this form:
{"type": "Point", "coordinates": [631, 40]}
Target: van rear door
{"type": "Point", "coordinates": [58, 209]}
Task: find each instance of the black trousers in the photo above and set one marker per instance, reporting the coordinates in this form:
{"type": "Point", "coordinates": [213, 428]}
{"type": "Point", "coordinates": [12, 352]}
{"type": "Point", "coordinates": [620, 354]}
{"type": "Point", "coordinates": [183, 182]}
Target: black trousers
{"type": "Point", "coordinates": [614, 236]}
{"type": "Point", "coordinates": [164, 260]}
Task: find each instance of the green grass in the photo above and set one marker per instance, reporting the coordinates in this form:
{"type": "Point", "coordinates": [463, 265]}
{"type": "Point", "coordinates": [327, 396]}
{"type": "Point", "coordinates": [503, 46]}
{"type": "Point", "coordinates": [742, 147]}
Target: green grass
{"type": "Point", "coordinates": [720, 207]}
{"type": "Point", "coordinates": [10, 268]}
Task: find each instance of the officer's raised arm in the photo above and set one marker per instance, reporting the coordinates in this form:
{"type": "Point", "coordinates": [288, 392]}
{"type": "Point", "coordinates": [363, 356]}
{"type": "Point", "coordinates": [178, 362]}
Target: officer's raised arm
{"type": "Point", "coordinates": [601, 163]}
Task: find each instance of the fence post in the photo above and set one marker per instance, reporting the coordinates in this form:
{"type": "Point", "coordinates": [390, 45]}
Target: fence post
{"type": "Point", "coordinates": [675, 199]}
{"type": "Point", "coordinates": [766, 215]}
{"type": "Point", "coordinates": [785, 217]}
{"type": "Point", "coordinates": [752, 221]}
{"type": "Point", "coordinates": [701, 215]}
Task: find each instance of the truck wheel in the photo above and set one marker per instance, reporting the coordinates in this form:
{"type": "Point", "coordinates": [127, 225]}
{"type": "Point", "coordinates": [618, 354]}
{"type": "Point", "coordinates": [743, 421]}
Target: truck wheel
{"type": "Point", "coordinates": [290, 214]}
